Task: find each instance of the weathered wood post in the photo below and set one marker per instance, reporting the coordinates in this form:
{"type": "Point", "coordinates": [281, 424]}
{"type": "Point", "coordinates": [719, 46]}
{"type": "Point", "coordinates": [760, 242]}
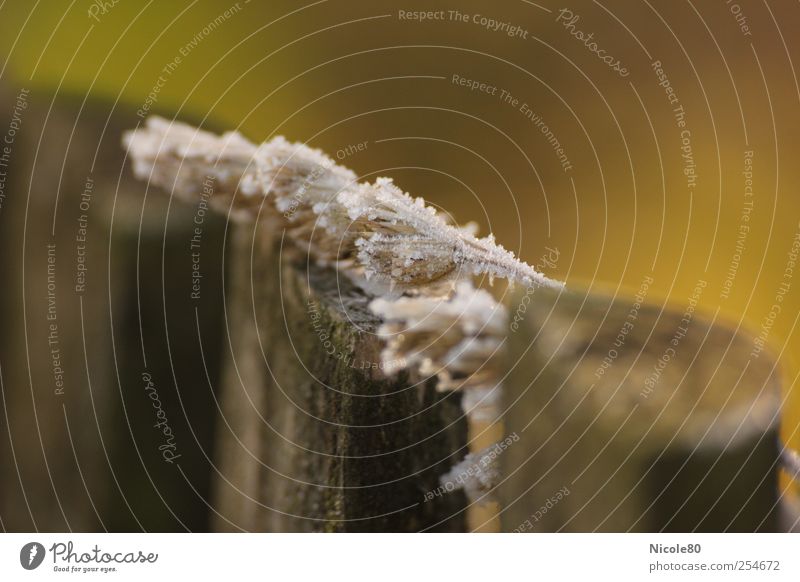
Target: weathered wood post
{"type": "Point", "coordinates": [96, 273]}
{"type": "Point", "coordinates": [631, 418]}
{"type": "Point", "coordinates": [619, 416]}
{"type": "Point", "coordinates": [313, 436]}
{"type": "Point", "coordinates": [328, 442]}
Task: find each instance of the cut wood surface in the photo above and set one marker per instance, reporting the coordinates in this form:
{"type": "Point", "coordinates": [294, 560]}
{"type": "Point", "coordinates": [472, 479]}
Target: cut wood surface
{"type": "Point", "coordinates": [634, 418]}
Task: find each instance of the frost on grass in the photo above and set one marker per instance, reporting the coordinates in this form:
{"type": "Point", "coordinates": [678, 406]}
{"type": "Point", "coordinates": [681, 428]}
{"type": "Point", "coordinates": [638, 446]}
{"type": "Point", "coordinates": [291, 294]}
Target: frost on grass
{"type": "Point", "coordinates": [384, 238]}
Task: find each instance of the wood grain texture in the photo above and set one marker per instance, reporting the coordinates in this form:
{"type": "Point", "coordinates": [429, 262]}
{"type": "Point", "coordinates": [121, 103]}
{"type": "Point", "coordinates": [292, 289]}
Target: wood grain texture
{"type": "Point", "coordinates": [685, 444]}
{"type": "Point", "coordinates": [314, 436]}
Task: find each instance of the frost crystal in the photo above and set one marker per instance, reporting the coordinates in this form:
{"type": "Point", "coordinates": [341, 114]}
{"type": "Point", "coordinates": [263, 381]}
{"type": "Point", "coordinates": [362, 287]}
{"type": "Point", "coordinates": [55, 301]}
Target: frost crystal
{"type": "Point", "coordinates": [457, 339]}
{"type": "Point", "coordinates": [375, 231]}
{"type": "Point", "coordinates": [477, 474]}
{"type": "Point", "coordinates": [387, 241]}
{"type": "Point", "coordinates": [303, 184]}
{"type": "Point", "coordinates": [404, 241]}
{"type": "Point", "coordinates": [182, 159]}
{"type": "Point", "coordinates": [460, 340]}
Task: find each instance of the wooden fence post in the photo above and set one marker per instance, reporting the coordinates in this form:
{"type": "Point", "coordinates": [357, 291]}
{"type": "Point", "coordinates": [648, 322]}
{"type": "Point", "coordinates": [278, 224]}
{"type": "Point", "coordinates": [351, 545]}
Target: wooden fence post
{"type": "Point", "coordinates": [633, 418]}
{"type": "Point", "coordinates": [313, 436]}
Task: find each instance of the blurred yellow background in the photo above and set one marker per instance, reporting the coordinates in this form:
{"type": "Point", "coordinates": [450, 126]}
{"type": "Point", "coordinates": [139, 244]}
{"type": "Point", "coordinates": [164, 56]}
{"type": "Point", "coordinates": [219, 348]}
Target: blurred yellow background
{"type": "Point", "coordinates": [337, 74]}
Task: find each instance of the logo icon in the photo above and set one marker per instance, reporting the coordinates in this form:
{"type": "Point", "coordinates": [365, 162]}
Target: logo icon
{"type": "Point", "coordinates": [31, 555]}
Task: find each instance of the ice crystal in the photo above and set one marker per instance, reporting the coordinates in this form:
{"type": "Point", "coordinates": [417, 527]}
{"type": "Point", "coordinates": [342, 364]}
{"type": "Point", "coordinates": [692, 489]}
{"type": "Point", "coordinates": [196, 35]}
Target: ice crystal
{"type": "Point", "coordinates": [304, 184]}
{"type": "Point", "coordinates": [457, 339]}
{"type": "Point", "coordinates": [388, 241]}
{"type": "Point", "coordinates": [378, 233]}
{"type": "Point", "coordinates": [404, 241]}
{"type": "Point", "coordinates": [477, 474]}
{"type": "Point", "coordinates": [184, 160]}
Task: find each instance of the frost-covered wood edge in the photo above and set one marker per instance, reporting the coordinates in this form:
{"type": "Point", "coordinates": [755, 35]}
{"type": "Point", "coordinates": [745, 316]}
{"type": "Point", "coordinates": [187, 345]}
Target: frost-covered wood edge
{"type": "Point", "coordinates": [386, 243]}
{"type": "Point", "coordinates": [315, 437]}
{"type": "Point", "coordinates": [390, 244]}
